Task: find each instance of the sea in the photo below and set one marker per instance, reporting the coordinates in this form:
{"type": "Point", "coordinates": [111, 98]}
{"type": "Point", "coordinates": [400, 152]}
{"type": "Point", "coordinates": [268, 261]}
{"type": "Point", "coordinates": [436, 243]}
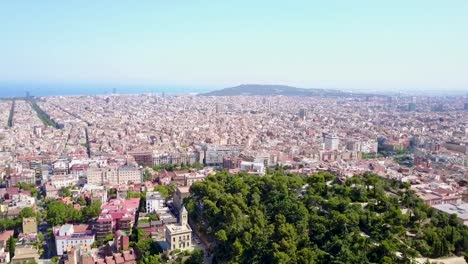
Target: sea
{"type": "Point", "coordinates": [9, 90]}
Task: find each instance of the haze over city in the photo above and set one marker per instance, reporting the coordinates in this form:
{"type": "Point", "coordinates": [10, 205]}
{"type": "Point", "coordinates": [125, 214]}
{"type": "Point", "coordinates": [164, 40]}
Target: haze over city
{"type": "Point", "coordinates": [246, 132]}
{"type": "Point", "coordinates": [403, 46]}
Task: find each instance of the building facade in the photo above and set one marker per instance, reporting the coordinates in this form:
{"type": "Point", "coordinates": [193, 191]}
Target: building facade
{"type": "Point", "coordinates": [72, 235]}
{"type": "Point", "coordinates": [179, 236]}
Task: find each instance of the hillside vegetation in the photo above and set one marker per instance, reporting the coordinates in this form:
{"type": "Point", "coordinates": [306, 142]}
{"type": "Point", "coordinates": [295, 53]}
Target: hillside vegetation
{"type": "Point", "coordinates": [283, 218]}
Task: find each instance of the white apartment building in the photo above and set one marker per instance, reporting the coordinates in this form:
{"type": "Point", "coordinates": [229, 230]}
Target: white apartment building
{"type": "Point", "coordinates": [253, 167]}
{"type": "Point", "coordinates": [95, 176]}
{"type": "Point", "coordinates": [214, 154]}
{"type": "Point", "coordinates": [60, 181]}
{"type": "Point", "coordinates": [154, 202]}
{"type": "Point", "coordinates": [369, 146]}
{"type": "Point", "coordinates": [72, 235]}
{"type": "Point", "coordinates": [126, 174]}
{"type": "Point", "coordinates": [114, 175]}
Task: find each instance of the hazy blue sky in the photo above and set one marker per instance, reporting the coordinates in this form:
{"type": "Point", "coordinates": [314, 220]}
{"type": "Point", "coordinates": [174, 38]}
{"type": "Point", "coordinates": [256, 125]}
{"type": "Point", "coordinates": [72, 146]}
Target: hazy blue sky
{"type": "Point", "coordinates": [397, 44]}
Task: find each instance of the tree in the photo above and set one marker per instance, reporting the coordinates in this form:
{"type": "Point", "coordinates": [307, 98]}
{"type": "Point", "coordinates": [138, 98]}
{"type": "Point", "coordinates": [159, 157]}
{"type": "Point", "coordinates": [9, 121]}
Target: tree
{"type": "Point", "coordinates": [271, 219]}
{"type": "Point", "coordinates": [108, 238]}
{"type": "Point", "coordinates": [65, 192]}
{"type": "Point", "coordinates": [152, 259]}
{"type": "Point", "coordinates": [55, 260]}
{"type": "Point", "coordinates": [165, 191]}
{"type": "Point", "coordinates": [57, 213]}
{"type": "Point", "coordinates": [147, 175]}
{"type": "Point", "coordinates": [147, 247]}
{"type": "Point", "coordinates": [11, 245]}
{"type": "Point", "coordinates": [196, 257]}
{"type": "Point", "coordinates": [26, 212]}
{"type": "Point", "coordinates": [92, 211]}
{"type": "Point", "coordinates": [81, 201]}
{"type": "Point", "coordinates": [29, 187]}
{"type": "Point", "coordinates": [137, 234]}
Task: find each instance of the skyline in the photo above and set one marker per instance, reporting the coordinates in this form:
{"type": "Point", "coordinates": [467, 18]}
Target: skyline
{"type": "Point", "coordinates": [363, 45]}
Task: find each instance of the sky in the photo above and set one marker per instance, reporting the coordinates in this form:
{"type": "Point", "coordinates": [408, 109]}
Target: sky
{"type": "Point", "coordinates": [367, 45]}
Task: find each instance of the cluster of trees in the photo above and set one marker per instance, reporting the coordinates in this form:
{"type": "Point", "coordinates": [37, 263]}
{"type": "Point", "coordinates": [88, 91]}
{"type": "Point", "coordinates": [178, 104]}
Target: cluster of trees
{"type": "Point", "coordinates": [147, 176]}
{"type": "Point", "coordinates": [183, 257]}
{"type": "Point", "coordinates": [58, 213]}
{"type": "Point", "coordinates": [166, 191]}
{"type": "Point", "coordinates": [145, 247]}
{"type": "Point", "coordinates": [15, 223]}
{"type": "Point", "coordinates": [29, 187]}
{"type": "Point", "coordinates": [404, 161]}
{"type": "Point", "coordinates": [65, 192]}
{"type": "Point", "coordinates": [45, 118]}
{"type": "Point", "coordinates": [178, 166]}
{"type": "Point", "coordinates": [150, 252]}
{"type": "Point", "coordinates": [284, 218]}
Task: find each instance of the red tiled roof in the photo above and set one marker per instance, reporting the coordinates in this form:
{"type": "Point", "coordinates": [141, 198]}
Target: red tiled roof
{"type": "Point", "coordinates": [118, 258]}
{"type": "Point", "coordinates": [81, 228]}
{"type": "Point", "coordinates": [110, 260]}
{"type": "Point", "coordinates": [128, 256]}
{"type": "Point", "coordinates": [6, 235]}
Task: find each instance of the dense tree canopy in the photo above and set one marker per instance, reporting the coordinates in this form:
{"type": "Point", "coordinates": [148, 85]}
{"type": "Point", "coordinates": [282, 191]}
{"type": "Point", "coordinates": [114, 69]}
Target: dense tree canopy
{"type": "Point", "coordinates": [59, 213]}
{"type": "Point", "coordinates": [29, 187]}
{"type": "Point", "coordinates": [319, 219]}
{"type": "Point", "coordinates": [12, 223]}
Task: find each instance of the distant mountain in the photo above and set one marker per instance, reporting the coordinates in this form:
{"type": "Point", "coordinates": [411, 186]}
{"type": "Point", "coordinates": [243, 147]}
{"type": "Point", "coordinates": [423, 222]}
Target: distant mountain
{"type": "Point", "coordinates": [271, 90]}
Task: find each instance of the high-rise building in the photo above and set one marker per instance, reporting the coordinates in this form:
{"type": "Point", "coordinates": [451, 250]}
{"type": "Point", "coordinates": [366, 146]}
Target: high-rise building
{"type": "Point", "coordinates": [303, 114]}
{"type": "Point", "coordinates": [466, 106]}
{"type": "Point", "coordinates": [331, 141]}
{"type": "Point", "coordinates": [412, 107]}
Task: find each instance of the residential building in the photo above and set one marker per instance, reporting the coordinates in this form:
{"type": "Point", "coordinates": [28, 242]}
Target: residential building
{"type": "Point", "coordinates": [50, 190]}
{"type": "Point", "coordinates": [29, 225]}
{"type": "Point", "coordinates": [25, 254]}
{"type": "Point", "coordinates": [179, 236]}
{"type": "Point", "coordinates": [214, 154]}
{"type": "Point", "coordinates": [253, 167]}
{"type": "Point", "coordinates": [62, 181]}
{"type": "Point", "coordinates": [117, 214]}
{"type": "Point", "coordinates": [143, 158]}
{"type": "Point", "coordinates": [72, 235]}
{"type": "Point", "coordinates": [331, 142]}
{"type": "Point", "coordinates": [179, 195]}
{"type": "Point", "coordinates": [154, 202]}
{"type": "Point", "coordinates": [461, 210]}
{"type": "Point", "coordinates": [230, 163]}
{"type": "Point", "coordinates": [129, 174]}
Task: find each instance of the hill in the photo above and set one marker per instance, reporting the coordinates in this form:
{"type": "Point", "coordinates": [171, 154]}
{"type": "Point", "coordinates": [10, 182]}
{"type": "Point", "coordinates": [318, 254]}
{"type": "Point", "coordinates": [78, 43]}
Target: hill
{"type": "Point", "coordinates": [272, 90]}
{"type": "Point", "coordinates": [286, 218]}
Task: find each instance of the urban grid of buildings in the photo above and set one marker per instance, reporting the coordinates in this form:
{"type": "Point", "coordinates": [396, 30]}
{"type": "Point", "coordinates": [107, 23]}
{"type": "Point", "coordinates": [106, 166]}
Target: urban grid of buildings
{"type": "Point", "coordinates": [92, 144]}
